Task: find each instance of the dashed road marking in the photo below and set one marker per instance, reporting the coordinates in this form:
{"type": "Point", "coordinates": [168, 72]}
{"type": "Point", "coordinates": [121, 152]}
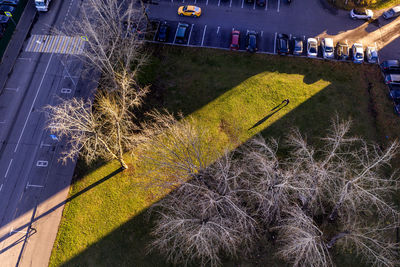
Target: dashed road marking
{"type": "Point", "coordinates": [262, 32]}
{"type": "Point", "coordinates": [279, 3]}
{"type": "Point", "coordinates": [242, 3]}
{"type": "Point", "coordinates": [219, 2]}
{"type": "Point", "coordinates": [42, 163]}
{"type": "Point", "coordinates": [12, 89]}
{"type": "Point", "coordinates": [8, 168]}
{"type": "Point", "coordinates": [218, 29]}
{"type": "Point", "coordinates": [230, 4]}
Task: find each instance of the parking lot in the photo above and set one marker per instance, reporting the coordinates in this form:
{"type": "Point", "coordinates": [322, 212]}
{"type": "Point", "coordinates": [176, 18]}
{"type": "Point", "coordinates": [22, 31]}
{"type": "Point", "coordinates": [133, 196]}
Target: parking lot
{"type": "Point", "coordinates": [299, 19]}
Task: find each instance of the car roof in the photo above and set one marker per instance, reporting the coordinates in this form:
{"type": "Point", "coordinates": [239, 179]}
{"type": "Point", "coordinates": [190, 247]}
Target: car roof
{"type": "Point", "coordinates": [396, 9]}
{"type": "Point", "coordinates": [328, 41]}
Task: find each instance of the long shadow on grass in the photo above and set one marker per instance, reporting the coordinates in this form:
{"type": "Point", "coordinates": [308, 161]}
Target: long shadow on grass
{"type": "Point", "coordinates": [126, 245]}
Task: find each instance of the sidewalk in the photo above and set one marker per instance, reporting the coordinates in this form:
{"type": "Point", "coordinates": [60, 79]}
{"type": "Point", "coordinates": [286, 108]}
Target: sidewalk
{"type": "Point", "coordinates": [16, 42]}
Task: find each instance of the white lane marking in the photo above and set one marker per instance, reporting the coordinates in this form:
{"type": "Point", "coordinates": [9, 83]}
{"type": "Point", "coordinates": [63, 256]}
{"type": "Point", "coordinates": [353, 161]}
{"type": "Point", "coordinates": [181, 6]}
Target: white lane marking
{"type": "Point", "coordinates": [262, 32]}
{"type": "Point", "coordinates": [12, 89]}
{"type": "Point", "coordinates": [183, 1]}
{"type": "Point", "coordinates": [33, 103]}
{"type": "Point", "coordinates": [176, 32]}
{"type": "Point", "coordinates": [230, 4]}
{"type": "Point", "coordinates": [219, 2]}
{"type": "Point", "coordinates": [2, 121]}
{"type": "Point", "coordinates": [254, 6]}
{"type": "Point", "coordinates": [158, 27]}
{"type": "Point", "coordinates": [290, 36]}
{"type": "Point", "coordinates": [275, 43]}
{"type": "Point", "coordinates": [33, 185]}
{"type": "Point", "coordinates": [190, 34]}
{"type": "Point", "coordinates": [242, 3]}
{"type": "Point", "coordinates": [8, 168]}
{"type": "Point", "coordinates": [25, 58]}
{"type": "Point", "coordinates": [42, 145]}
{"type": "Point", "coordinates": [195, 1]}
{"type": "Point", "coordinates": [42, 163]}
{"type": "Point", "coordinates": [266, 5]}
{"type": "Point", "coordinates": [204, 34]}
{"type": "Point", "coordinates": [279, 3]}
{"type": "Point", "coordinates": [1, 187]}
{"type": "Point", "coordinates": [69, 75]}
{"type": "Point", "coordinates": [218, 29]}
{"type": "Point", "coordinates": [207, 3]}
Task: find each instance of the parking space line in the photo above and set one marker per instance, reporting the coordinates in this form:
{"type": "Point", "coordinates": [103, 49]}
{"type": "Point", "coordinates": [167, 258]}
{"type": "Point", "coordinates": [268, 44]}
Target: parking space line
{"type": "Point", "coordinates": [279, 3]}
{"type": "Point", "coordinates": [290, 36]}
{"type": "Point", "coordinates": [266, 5]}
{"type": "Point", "coordinates": [190, 34]}
{"type": "Point", "coordinates": [218, 29]}
{"type": "Point", "coordinates": [254, 6]}
{"type": "Point", "coordinates": [230, 4]}
{"type": "Point", "coordinates": [195, 1]}
{"type": "Point", "coordinates": [219, 2]}
{"type": "Point", "coordinates": [207, 3]}
{"type": "Point", "coordinates": [304, 37]}
{"type": "Point", "coordinates": [242, 3]}
{"type": "Point", "coordinates": [8, 168]}
{"type": "Point", "coordinates": [275, 43]}
{"type": "Point", "coordinates": [204, 34]}
{"type": "Point", "coordinates": [262, 32]}
{"type": "Point", "coordinates": [172, 1]}
{"type": "Point", "coordinates": [176, 32]}
{"type": "Point", "coordinates": [183, 1]}
{"type": "Point", "coordinates": [158, 27]}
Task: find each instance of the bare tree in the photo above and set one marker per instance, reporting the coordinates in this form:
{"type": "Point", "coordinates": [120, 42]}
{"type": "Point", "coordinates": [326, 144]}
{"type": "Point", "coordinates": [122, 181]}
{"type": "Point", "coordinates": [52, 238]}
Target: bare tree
{"type": "Point", "coordinates": [114, 30]}
{"type": "Point", "coordinates": [337, 196]}
{"type": "Point", "coordinates": [105, 128]}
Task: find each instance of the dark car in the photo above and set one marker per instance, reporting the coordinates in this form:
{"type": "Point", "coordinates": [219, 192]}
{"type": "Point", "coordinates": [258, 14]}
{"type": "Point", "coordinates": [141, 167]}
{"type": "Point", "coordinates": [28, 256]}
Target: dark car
{"type": "Point", "coordinates": [181, 33]}
{"type": "Point", "coordinates": [251, 41]}
{"type": "Point", "coordinates": [6, 8]}
{"type": "Point", "coordinates": [282, 44]}
{"type": "Point", "coordinates": [9, 2]}
{"type": "Point", "coordinates": [342, 50]}
{"type": "Point", "coordinates": [395, 95]}
{"type": "Point", "coordinates": [391, 66]}
{"type": "Point", "coordinates": [397, 109]}
{"type": "Point", "coordinates": [261, 2]}
{"type": "Point", "coordinates": [163, 32]}
{"type": "Point", "coordinates": [392, 13]}
{"type": "Point", "coordinates": [235, 40]}
{"type": "Point", "coordinates": [4, 19]}
{"type": "Point", "coordinates": [250, 1]}
{"type": "Point", "coordinates": [297, 44]}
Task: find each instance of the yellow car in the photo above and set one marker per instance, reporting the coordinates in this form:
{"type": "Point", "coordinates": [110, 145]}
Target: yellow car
{"type": "Point", "coordinates": [189, 11]}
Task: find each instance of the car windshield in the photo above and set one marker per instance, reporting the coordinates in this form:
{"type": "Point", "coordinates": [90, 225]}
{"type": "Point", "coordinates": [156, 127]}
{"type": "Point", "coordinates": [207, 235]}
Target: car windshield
{"type": "Point", "coordinates": [185, 8]}
{"type": "Point", "coordinates": [359, 56]}
{"type": "Point", "coordinates": [329, 49]}
{"type": "Point", "coordinates": [197, 9]}
{"type": "Point", "coordinates": [313, 50]}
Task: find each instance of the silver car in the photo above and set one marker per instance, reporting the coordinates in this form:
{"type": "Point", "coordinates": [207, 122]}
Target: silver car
{"type": "Point", "coordinates": [327, 48]}
{"type": "Point", "coordinates": [392, 13]}
{"type": "Point", "coordinates": [312, 47]}
{"type": "Point", "coordinates": [361, 13]}
{"type": "Point", "coordinates": [371, 54]}
{"type": "Point", "coordinates": [358, 53]}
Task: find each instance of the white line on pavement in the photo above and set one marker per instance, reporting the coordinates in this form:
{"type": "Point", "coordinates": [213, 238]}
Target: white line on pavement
{"type": "Point", "coordinates": [12, 89]}
{"type": "Point", "coordinates": [176, 32]}
{"type": "Point", "coordinates": [262, 32]}
{"type": "Point", "coordinates": [8, 168]}
{"type": "Point", "coordinates": [290, 36]}
{"type": "Point", "coordinates": [242, 3]}
{"type": "Point", "coordinates": [275, 43]}
{"type": "Point", "coordinates": [254, 6]}
{"type": "Point", "coordinates": [2, 121]}
{"type": "Point", "coordinates": [33, 185]}
{"type": "Point", "coordinates": [155, 35]}
{"type": "Point", "coordinates": [195, 1]}
{"type": "Point", "coordinates": [230, 4]}
{"type": "Point", "coordinates": [304, 37]}
{"type": "Point", "coordinates": [219, 2]}
{"type": "Point", "coordinates": [279, 3]}
{"type": "Point", "coordinates": [207, 3]}
{"type": "Point", "coordinates": [204, 34]}
{"type": "Point", "coordinates": [218, 29]}
{"type": "Point", "coordinates": [33, 103]}
{"type": "Point", "coordinates": [183, 1]}
{"type": "Point", "coordinates": [1, 187]}
{"type": "Point", "coordinates": [190, 34]}
{"type": "Point", "coordinates": [266, 5]}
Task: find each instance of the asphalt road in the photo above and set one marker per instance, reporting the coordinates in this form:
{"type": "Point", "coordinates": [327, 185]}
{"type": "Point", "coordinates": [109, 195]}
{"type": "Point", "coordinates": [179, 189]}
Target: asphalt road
{"type": "Point", "coordinates": [303, 19]}
{"type": "Point", "coordinates": [33, 184]}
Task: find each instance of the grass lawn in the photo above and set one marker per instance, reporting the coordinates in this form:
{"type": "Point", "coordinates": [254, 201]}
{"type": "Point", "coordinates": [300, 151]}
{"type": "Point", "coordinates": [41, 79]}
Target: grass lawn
{"type": "Point", "coordinates": [228, 93]}
{"type": "Point", "coordinates": [372, 4]}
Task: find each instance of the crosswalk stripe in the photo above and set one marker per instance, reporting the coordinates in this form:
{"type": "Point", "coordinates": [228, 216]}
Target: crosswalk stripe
{"type": "Point", "coordinates": [55, 44]}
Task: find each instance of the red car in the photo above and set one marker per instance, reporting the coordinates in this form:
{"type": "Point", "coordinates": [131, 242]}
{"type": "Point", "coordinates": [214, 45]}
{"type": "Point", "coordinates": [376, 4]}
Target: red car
{"type": "Point", "coordinates": [235, 40]}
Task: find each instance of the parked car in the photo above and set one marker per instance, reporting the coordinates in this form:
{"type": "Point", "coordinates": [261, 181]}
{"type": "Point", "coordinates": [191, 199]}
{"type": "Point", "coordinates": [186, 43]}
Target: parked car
{"type": "Point", "coordinates": [342, 50]}
{"type": "Point", "coordinates": [371, 54]}
{"type": "Point", "coordinates": [391, 66]}
{"type": "Point", "coordinates": [391, 13]}
{"type": "Point", "coordinates": [249, 1]}
{"type": "Point", "coordinates": [361, 13]}
{"type": "Point", "coordinates": [251, 41]}
{"type": "Point", "coordinates": [312, 47]}
{"type": "Point", "coordinates": [282, 44]}
{"type": "Point", "coordinates": [163, 32]}
{"type": "Point", "coordinates": [358, 53]}
{"type": "Point", "coordinates": [182, 33]}
{"type": "Point", "coordinates": [392, 79]}
{"type": "Point", "coordinates": [235, 40]}
{"type": "Point", "coordinates": [297, 44]}
{"type": "Point", "coordinates": [189, 11]}
{"type": "Point", "coordinates": [397, 109]}
{"type": "Point", "coordinates": [9, 2]}
{"type": "Point", "coordinates": [327, 48]}
{"type": "Point", "coordinates": [6, 8]}
{"type": "Point", "coordinates": [261, 2]}
{"type": "Point", "coordinates": [4, 19]}
{"type": "Point", "coordinates": [394, 93]}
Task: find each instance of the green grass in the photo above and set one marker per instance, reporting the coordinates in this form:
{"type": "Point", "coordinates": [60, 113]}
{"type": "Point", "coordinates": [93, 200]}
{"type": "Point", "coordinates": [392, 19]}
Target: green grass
{"type": "Point", "coordinates": [227, 93]}
{"type": "Point", "coordinates": [372, 4]}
